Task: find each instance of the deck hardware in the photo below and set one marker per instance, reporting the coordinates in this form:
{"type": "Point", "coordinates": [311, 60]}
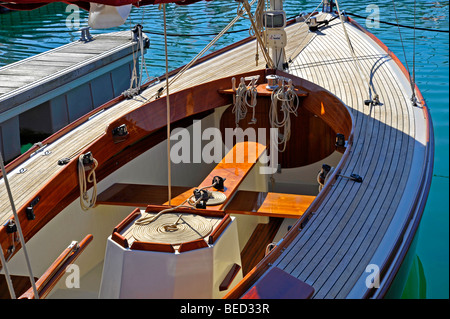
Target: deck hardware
{"type": "Point", "coordinates": [21, 170]}
{"type": "Point", "coordinates": [340, 140]}
{"type": "Point", "coordinates": [201, 197]}
{"type": "Point", "coordinates": [40, 149]}
{"type": "Point", "coordinates": [314, 25]}
{"type": "Point", "coordinates": [354, 177]}
{"type": "Point", "coordinates": [63, 161]}
{"type": "Point", "coordinates": [158, 94]}
{"type": "Point", "coordinates": [374, 101]}
{"type": "Point", "coordinates": [85, 34]}
{"type": "Point", "coordinates": [137, 31]}
{"type": "Point", "coordinates": [120, 133]}
{"type": "Point", "coordinates": [88, 159]}
{"type": "Point", "coordinates": [218, 182]}
{"type": "Point", "coordinates": [301, 17]}
{"type": "Point", "coordinates": [323, 173]}
{"type": "Point", "coordinates": [11, 227]}
{"type": "Point", "coordinates": [272, 82]}
{"type": "Point", "coordinates": [327, 6]}
{"type": "Point", "coordinates": [29, 211]}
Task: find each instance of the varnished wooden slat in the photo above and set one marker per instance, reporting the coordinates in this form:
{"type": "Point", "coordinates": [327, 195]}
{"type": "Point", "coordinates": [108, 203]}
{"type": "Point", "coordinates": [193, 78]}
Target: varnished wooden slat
{"type": "Point", "coordinates": [269, 204]}
{"type": "Point", "coordinates": [229, 277]}
{"type": "Point", "coordinates": [234, 167]}
{"type": "Point", "coordinates": [57, 269]}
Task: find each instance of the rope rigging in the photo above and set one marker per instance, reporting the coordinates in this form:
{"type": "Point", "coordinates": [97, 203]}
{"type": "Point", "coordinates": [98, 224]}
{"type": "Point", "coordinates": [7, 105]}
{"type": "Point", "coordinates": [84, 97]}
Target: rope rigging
{"type": "Point", "coordinates": [411, 79]}
{"type": "Point", "coordinates": [84, 161]}
{"type": "Point", "coordinates": [241, 97]}
{"type": "Point", "coordinates": [289, 105]}
{"type": "Point", "coordinates": [400, 25]}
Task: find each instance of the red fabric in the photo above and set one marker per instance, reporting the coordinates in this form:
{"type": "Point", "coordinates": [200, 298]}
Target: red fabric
{"type": "Point", "coordinates": [33, 4]}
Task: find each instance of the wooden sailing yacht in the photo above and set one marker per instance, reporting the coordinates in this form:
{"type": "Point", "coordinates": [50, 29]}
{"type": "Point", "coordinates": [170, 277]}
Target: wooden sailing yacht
{"type": "Point", "coordinates": [324, 201]}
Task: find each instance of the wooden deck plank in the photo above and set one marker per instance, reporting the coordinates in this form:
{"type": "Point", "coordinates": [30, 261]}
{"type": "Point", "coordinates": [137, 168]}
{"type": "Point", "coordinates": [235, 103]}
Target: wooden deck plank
{"type": "Point", "coordinates": [373, 208]}
{"type": "Point", "coordinates": [338, 257]}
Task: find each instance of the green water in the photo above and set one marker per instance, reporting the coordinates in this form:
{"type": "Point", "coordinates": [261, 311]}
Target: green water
{"type": "Point", "coordinates": [23, 34]}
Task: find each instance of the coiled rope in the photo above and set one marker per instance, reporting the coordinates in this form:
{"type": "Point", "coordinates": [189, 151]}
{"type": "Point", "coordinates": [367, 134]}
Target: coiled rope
{"type": "Point", "coordinates": [85, 201]}
{"type": "Point", "coordinates": [244, 96]}
{"type": "Point", "coordinates": [191, 228]}
{"type": "Point", "coordinates": [289, 105]}
{"type": "Point", "coordinates": [191, 203]}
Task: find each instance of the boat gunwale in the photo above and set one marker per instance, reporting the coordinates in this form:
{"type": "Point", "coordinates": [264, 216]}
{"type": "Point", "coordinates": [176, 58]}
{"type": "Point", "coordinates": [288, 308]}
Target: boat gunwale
{"type": "Point", "coordinates": [398, 254]}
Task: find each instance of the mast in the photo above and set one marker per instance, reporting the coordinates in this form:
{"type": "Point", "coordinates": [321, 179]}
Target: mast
{"type": "Point", "coordinates": [279, 35]}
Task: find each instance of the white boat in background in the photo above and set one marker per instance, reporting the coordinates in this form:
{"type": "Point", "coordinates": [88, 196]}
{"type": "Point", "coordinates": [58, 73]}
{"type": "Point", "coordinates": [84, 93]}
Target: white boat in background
{"type": "Point", "coordinates": [295, 163]}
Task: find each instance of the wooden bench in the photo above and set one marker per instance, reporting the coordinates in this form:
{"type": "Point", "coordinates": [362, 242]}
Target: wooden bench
{"type": "Point", "coordinates": [244, 202]}
{"type": "Point", "coordinates": [234, 167]}
{"type": "Point", "coordinates": [269, 204]}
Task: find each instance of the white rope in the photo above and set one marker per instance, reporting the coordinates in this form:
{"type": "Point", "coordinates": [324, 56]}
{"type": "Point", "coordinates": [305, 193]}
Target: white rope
{"type": "Point", "coordinates": [252, 93]}
{"type": "Point", "coordinates": [244, 96]}
{"type": "Point", "coordinates": [289, 105]}
{"type": "Point", "coordinates": [190, 201]}
{"type": "Point", "coordinates": [19, 229]}
{"type": "Point", "coordinates": [85, 201]}
{"type": "Point", "coordinates": [327, 177]}
{"type": "Point", "coordinates": [239, 108]}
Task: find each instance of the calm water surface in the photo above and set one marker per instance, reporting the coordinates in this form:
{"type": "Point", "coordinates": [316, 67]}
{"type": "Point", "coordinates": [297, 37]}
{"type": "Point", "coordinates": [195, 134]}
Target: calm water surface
{"type": "Point", "coordinates": [23, 34]}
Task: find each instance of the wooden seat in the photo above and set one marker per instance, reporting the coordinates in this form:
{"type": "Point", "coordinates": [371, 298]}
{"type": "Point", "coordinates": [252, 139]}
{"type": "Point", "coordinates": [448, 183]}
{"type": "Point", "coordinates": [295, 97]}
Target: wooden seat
{"type": "Point", "coordinates": [234, 167]}
{"type": "Point", "coordinates": [269, 204]}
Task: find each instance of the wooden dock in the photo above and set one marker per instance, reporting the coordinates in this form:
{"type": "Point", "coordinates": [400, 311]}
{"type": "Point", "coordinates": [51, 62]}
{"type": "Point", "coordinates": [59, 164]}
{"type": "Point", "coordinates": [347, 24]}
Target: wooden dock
{"type": "Point", "coordinates": [355, 224]}
{"type": "Point", "coordinates": [48, 91]}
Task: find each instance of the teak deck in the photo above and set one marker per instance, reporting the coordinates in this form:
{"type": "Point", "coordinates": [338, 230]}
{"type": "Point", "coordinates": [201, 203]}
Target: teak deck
{"type": "Point", "coordinates": [352, 224]}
